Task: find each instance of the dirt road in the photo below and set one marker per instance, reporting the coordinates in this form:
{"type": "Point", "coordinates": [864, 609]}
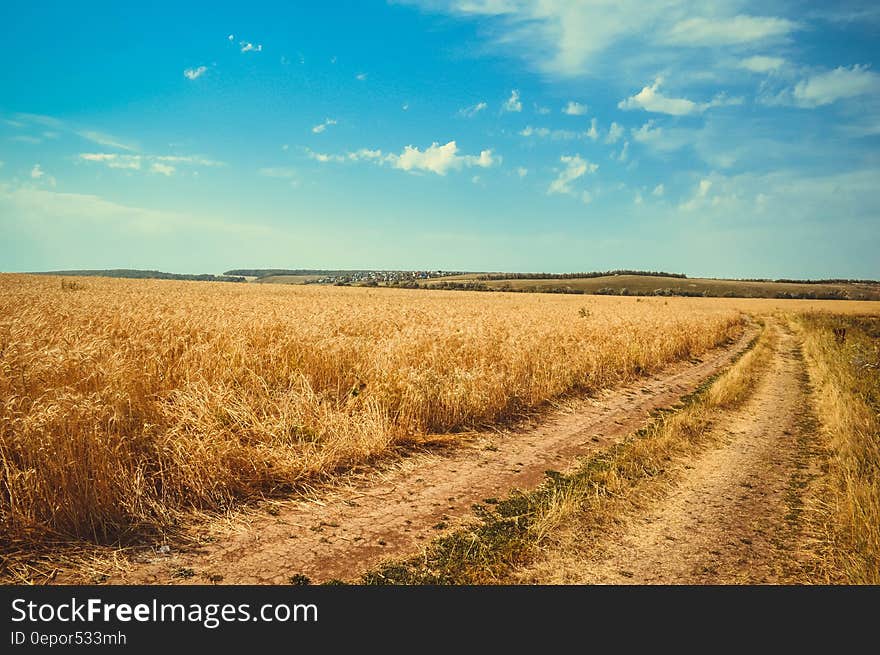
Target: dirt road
{"type": "Point", "coordinates": [397, 511]}
{"type": "Point", "coordinates": [731, 516]}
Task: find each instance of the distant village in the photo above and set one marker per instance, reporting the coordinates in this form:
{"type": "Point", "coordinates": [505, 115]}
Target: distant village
{"type": "Point", "coordinates": [371, 278]}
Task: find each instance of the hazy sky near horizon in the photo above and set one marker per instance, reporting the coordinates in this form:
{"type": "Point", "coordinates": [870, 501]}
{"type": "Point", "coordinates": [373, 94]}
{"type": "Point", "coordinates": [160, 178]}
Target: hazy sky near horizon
{"type": "Point", "coordinates": [726, 138]}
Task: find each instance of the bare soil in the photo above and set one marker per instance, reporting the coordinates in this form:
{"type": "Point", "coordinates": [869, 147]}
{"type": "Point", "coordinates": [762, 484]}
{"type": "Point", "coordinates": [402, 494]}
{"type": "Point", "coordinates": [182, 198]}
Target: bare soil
{"type": "Point", "coordinates": [346, 529]}
{"type": "Point", "coordinates": [731, 516]}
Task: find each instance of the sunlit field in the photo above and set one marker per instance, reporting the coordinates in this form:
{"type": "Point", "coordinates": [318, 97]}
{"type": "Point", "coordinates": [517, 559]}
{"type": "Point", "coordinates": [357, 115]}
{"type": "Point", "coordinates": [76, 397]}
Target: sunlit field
{"type": "Point", "coordinates": [126, 402]}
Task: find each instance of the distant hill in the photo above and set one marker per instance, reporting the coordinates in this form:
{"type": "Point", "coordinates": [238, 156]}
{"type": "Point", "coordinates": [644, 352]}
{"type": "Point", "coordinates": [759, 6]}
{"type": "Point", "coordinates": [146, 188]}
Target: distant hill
{"type": "Point", "coordinates": [140, 275]}
{"type": "Point", "coordinates": [644, 284]}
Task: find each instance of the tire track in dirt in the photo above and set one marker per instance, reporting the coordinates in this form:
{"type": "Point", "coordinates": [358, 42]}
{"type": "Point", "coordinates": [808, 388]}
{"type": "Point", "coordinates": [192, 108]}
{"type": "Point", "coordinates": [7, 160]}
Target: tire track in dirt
{"type": "Point", "coordinates": [398, 511]}
{"type": "Point", "coordinates": [727, 519]}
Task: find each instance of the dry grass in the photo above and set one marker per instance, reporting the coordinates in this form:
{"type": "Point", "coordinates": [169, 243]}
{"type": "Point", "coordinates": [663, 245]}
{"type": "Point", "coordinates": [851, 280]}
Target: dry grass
{"type": "Point", "coordinates": [845, 374]}
{"type": "Point", "coordinates": [128, 402]}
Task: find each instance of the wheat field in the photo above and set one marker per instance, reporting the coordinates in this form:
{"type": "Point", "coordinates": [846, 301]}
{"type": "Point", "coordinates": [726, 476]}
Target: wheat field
{"type": "Point", "coordinates": [124, 403]}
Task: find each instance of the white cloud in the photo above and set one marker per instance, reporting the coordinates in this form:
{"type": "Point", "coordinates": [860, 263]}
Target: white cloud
{"type": "Point", "coordinates": [440, 159]}
{"type": "Point", "coordinates": [113, 160]}
{"type": "Point", "coordinates": [162, 169]}
{"type": "Point", "coordinates": [37, 173]}
{"type": "Point", "coordinates": [195, 160]}
{"type": "Point", "coordinates": [285, 147]}
{"type": "Point", "coordinates": [840, 83]}
{"type": "Point", "coordinates": [575, 109]}
{"type": "Point", "coordinates": [325, 158]}
{"type": "Point", "coordinates": [513, 102]}
{"type": "Point", "coordinates": [522, 172]}
{"type": "Point", "coordinates": [713, 32]}
{"type": "Point", "coordinates": [651, 99]}
{"type": "Point", "coordinates": [762, 64]}
{"type": "Point", "coordinates": [323, 126]}
{"type": "Point", "coordinates": [231, 37]}
{"type": "Point", "coordinates": [575, 167]}
{"type": "Point", "coordinates": [105, 140]}
{"type": "Point", "coordinates": [541, 110]}
{"type": "Point", "coordinates": [435, 158]}
{"type": "Point", "coordinates": [24, 138]}
{"type": "Point", "coordinates": [361, 76]}
{"type": "Point", "coordinates": [473, 110]}
{"type": "Point", "coordinates": [194, 73]}
{"type": "Point", "coordinates": [559, 135]}
{"type": "Point", "coordinates": [699, 197]}
{"type": "Point", "coordinates": [247, 46]}
{"type": "Point", "coordinates": [593, 132]}
{"type": "Point", "coordinates": [638, 199]}
{"type": "Point", "coordinates": [50, 206]}
{"type": "Point", "coordinates": [586, 197]}
{"type": "Point", "coordinates": [164, 164]}
{"type": "Point", "coordinates": [647, 132]}
{"type": "Point", "coordinates": [405, 106]}
{"type": "Point", "coordinates": [282, 172]}
{"type": "Point", "coordinates": [658, 191]}
{"type": "Point", "coordinates": [623, 155]}
{"type": "Point", "coordinates": [614, 133]}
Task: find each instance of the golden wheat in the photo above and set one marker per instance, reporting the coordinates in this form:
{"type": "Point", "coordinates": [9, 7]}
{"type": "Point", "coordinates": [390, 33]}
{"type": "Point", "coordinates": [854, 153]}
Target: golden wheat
{"type": "Point", "coordinates": [846, 505]}
{"type": "Point", "coordinates": [124, 402]}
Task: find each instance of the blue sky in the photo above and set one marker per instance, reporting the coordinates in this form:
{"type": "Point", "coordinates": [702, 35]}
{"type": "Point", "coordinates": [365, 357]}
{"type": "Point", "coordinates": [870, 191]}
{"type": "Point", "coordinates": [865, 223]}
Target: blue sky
{"type": "Point", "coordinates": [712, 138]}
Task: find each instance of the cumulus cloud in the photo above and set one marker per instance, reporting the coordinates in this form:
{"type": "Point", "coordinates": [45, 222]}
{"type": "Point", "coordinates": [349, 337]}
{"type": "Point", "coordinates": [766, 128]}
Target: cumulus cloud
{"type": "Point", "coordinates": [658, 191]}
{"type": "Point", "coordinates": [840, 83]}
{"type": "Point", "coordinates": [575, 168]}
{"type": "Point", "coordinates": [522, 172]}
{"type": "Point", "coordinates": [593, 132]}
{"type": "Point", "coordinates": [162, 169]}
{"type": "Point", "coordinates": [473, 110]}
{"type": "Point", "coordinates": [651, 99]}
{"type": "Point", "coordinates": [699, 196]}
{"type": "Point", "coordinates": [317, 129]}
{"type": "Point", "coordinates": [194, 73]}
{"type": "Point", "coordinates": [440, 159]}
{"type": "Point", "coordinates": [513, 102]}
{"type": "Point", "coordinates": [713, 32]}
{"type": "Point", "coordinates": [614, 133]}
{"type": "Point", "coordinates": [360, 77]}
{"type": "Point", "coordinates": [436, 158]}
{"type": "Point", "coordinates": [647, 132]}
{"type": "Point", "coordinates": [247, 46]}
{"type": "Point", "coordinates": [575, 109]}
{"type": "Point", "coordinates": [762, 64]}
